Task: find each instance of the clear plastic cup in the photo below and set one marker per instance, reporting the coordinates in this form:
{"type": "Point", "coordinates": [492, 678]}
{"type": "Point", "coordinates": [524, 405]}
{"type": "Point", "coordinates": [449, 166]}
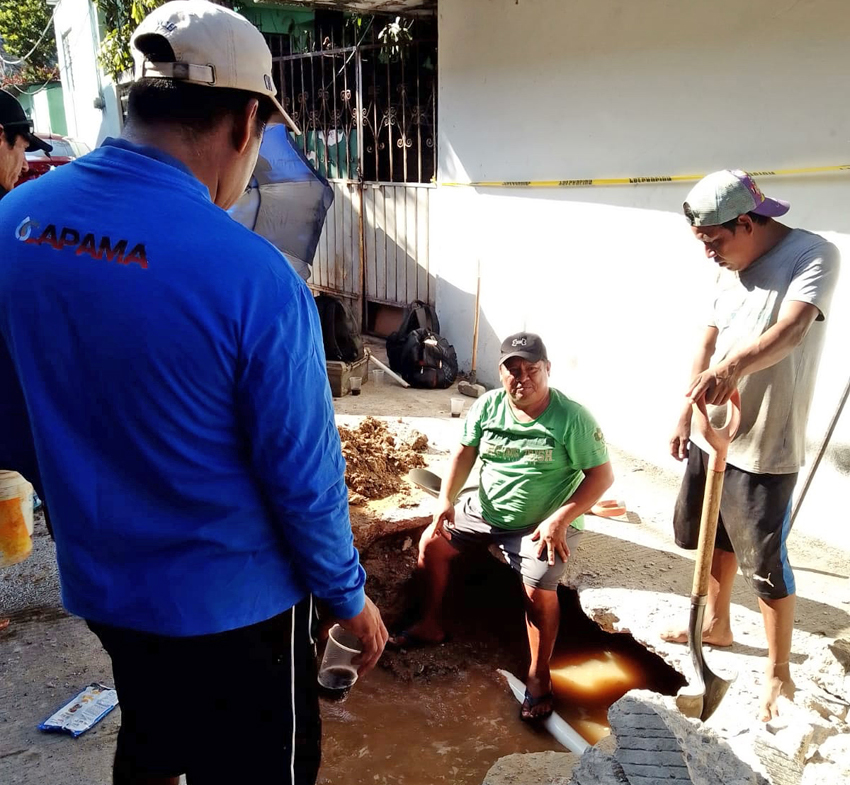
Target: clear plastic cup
{"type": "Point", "coordinates": [336, 673]}
{"type": "Point", "coordinates": [354, 383]}
{"type": "Point", "coordinates": [377, 376]}
{"type": "Point", "coordinates": [457, 407]}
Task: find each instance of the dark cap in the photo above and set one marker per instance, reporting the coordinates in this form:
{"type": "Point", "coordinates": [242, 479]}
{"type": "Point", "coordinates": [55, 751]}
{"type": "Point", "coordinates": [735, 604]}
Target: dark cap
{"type": "Point", "coordinates": [528, 346]}
{"type": "Point", "coordinates": [12, 115]}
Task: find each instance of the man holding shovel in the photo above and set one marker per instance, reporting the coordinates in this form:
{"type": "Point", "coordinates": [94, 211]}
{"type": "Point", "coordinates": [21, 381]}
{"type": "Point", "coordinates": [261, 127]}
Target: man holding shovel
{"type": "Point", "coordinates": [544, 464]}
{"type": "Point", "coordinates": [764, 338]}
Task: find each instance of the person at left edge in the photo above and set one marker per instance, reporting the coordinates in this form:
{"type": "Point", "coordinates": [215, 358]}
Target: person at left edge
{"type": "Point", "coordinates": [16, 139]}
{"type": "Point", "coordinates": [172, 367]}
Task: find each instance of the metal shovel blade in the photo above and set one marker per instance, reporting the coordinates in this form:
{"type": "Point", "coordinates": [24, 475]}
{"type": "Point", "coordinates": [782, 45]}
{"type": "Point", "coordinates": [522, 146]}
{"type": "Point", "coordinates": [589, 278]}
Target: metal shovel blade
{"type": "Point", "coordinates": [701, 698]}
{"type": "Point", "coordinates": [430, 482]}
{"type": "Point", "coordinates": [427, 481]}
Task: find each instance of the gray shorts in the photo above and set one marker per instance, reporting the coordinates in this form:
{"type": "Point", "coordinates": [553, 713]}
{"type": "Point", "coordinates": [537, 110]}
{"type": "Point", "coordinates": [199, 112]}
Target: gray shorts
{"type": "Point", "coordinates": [471, 530]}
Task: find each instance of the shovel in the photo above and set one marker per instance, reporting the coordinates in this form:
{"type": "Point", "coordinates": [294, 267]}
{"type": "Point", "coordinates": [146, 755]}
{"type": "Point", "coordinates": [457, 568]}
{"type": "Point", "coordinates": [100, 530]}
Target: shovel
{"type": "Point", "coordinates": [702, 697]}
{"type": "Point", "coordinates": [430, 482]}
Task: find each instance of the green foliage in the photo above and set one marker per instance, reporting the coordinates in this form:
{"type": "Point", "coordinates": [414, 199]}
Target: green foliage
{"type": "Point", "coordinates": [114, 53]}
{"type": "Point", "coordinates": [119, 18]}
{"type": "Point", "coordinates": [22, 28]}
{"type": "Point", "coordinates": [394, 39]}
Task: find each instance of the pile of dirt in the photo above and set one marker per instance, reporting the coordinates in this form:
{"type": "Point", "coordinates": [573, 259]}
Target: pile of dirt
{"type": "Point", "coordinates": [376, 461]}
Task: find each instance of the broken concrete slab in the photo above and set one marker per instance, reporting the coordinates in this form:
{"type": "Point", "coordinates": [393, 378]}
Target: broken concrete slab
{"type": "Point", "coordinates": [829, 668]}
{"type": "Point", "coordinates": [647, 748]}
{"type": "Point", "coordinates": [656, 744]}
{"type": "Point", "coordinates": [597, 768]}
{"type": "Point", "coordinates": [535, 768]}
{"type": "Point", "coordinates": [784, 753]}
{"type": "Point", "coordinates": [645, 602]}
{"type": "Point", "coordinates": [822, 703]}
{"type": "Point", "coordinates": [367, 525]}
{"type": "Point", "coordinates": [787, 744]}
{"type": "Point", "coordinates": [829, 763]}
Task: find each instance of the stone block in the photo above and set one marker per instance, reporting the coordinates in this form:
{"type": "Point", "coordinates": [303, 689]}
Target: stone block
{"type": "Point", "coordinates": [534, 768]}
{"type": "Point", "coordinates": [647, 727]}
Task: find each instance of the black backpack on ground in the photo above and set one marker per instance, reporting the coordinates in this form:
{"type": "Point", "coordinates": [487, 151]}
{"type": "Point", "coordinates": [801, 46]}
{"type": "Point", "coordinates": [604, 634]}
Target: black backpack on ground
{"type": "Point", "coordinates": [427, 360]}
{"type": "Point", "coordinates": [342, 340]}
{"type": "Point", "coordinates": [417, 315]}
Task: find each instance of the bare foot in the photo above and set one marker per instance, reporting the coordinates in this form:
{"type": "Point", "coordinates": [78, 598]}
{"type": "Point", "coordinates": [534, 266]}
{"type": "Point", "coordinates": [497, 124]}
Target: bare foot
{"type": "Point", "coordinates": [713, 634]}
{"type": "Point", "coordinates": [3, 624]}
{"type": "Point", "coordinates": [418, 635]}
{"type": "Point", "coordinates": [777, 682]}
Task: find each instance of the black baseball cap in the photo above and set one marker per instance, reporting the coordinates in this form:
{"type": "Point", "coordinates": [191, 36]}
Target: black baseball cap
{"type": "Point", "coordinates": [12, 115]}
{"type": "Point", "coordinates": [528, 346]}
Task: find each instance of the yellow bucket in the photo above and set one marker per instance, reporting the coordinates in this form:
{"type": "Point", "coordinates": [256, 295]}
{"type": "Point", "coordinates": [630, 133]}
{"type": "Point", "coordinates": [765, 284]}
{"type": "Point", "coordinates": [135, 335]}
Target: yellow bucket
{"type": "Point", "coordinates": [16, 499]}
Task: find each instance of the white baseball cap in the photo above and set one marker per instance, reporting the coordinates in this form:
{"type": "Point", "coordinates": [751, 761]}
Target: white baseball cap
{"type": "Point", "coordinates": [213, 46]}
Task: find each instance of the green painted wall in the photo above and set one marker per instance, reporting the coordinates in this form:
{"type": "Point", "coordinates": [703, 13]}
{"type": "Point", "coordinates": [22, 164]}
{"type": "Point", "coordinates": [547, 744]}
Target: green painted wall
{"type": "Point", "coordinates": [277, 19]}
{"type": "Point", "coordinates": [55, 107]}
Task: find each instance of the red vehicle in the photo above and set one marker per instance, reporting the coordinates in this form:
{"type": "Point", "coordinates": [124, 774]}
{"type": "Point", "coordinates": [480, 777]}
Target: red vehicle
{"type": "Point", "coordinates": [64, 151]}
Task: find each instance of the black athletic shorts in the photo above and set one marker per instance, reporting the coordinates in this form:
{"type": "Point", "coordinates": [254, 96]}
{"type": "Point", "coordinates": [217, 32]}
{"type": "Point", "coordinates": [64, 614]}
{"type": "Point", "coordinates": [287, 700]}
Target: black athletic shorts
{"type": "Point", "coordinates": [235, 707]}
{"type": "Point", "coordinates": [755, 518]}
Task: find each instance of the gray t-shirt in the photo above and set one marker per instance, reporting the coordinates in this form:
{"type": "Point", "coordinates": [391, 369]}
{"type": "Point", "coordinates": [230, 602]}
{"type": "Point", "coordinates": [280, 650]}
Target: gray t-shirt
{"type": "Point", "coordinates": [775, 402]}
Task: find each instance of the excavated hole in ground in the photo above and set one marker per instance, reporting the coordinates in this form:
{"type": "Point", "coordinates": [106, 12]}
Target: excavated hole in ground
{"type": "Point", "coordinates": [442, 713]}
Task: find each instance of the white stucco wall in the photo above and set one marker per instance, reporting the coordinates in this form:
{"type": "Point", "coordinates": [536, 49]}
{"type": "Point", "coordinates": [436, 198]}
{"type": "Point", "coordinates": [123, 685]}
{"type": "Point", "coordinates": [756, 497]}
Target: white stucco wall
{"type": "Point", "coordinates": [610, 276]}
{"type": "Point", "coordinates": [41, 112]}
{"type": "Point", "coordinates": [76, 21]}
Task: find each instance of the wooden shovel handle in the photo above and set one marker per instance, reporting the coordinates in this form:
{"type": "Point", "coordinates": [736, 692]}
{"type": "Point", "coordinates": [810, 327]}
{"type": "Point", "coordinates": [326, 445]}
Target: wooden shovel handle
{"type": "Point", "coordinates": [707, 535]}
{"type": "Point", "coordinates": [718, 441]}
{"type": "Point", "coordinates": [718, 438]}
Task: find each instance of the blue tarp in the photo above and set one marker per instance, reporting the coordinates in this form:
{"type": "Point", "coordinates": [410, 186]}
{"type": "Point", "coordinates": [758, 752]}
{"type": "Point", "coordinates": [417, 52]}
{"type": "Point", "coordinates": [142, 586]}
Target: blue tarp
{"type": "Point", "coordinates": [286, 201]}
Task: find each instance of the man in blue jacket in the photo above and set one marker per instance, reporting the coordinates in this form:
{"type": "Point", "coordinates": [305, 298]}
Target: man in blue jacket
{"type": "Point", "coordinates": [172, 368]}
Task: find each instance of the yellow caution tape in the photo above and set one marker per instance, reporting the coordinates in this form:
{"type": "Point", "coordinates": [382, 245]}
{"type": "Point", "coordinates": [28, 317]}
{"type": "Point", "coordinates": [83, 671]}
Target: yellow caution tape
{"type": "Point", "coordinates": [653, 180]}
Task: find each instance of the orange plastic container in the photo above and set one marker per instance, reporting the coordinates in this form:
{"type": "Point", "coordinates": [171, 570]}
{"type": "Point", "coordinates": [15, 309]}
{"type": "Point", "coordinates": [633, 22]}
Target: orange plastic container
{"type": "Point", "coordinates": [16, 519]}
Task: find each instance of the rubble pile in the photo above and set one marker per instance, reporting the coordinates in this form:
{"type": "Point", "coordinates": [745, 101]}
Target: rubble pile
{"type": "Point", "coordinates": [376, 461]}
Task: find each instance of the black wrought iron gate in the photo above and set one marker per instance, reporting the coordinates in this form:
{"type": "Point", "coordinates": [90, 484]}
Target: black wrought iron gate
{"type": "Point", "coordinates": [368, 118]}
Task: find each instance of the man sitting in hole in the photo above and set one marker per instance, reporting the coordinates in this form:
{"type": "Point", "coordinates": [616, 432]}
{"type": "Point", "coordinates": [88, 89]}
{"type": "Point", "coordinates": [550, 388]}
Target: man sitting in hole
{"type": "Point", "coordinates": [543, 464]}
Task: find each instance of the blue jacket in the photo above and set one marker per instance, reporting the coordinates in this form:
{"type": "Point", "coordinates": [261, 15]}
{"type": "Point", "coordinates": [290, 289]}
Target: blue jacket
{"type": "Point", "coordinates": [175, 401]}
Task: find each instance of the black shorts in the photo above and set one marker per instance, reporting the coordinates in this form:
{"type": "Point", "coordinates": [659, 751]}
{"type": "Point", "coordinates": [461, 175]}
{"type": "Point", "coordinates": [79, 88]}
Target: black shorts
{"type": "Point", "coordinates": [237, 706]}
{"type": "Point", "coordinates": [755, 518]}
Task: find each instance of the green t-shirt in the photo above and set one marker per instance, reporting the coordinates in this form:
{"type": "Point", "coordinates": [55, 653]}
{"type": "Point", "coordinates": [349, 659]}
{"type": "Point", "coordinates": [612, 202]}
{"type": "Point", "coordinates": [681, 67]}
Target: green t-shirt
{"type": "Point", "coordinates": [528, 470]}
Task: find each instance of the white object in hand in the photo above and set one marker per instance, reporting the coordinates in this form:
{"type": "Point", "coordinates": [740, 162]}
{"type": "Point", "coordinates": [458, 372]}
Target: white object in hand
{"type": "Point", "coordinates": [337, 671]}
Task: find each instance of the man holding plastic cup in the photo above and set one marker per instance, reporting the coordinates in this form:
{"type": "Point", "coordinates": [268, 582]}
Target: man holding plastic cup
{"type": "Point", "coordinates": [172, 365]}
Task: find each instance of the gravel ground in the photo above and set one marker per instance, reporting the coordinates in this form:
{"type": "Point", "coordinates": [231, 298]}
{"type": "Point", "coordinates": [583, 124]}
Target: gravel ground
{"type": "Point", "coordinates": [33, 583]}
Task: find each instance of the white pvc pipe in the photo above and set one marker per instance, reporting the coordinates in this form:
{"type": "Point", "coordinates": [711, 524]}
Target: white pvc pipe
{"type": "Point", "coordinates": [391, 372]}
{"type": "Point", "coordinates": [560, 729]}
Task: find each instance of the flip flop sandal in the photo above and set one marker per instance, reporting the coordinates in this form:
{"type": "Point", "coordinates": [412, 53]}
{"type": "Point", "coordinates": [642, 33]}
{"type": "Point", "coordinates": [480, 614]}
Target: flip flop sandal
{"type": "Point", "coordinates": [530, 702]}
{"type": "Point", "coordinates": [608, 508]}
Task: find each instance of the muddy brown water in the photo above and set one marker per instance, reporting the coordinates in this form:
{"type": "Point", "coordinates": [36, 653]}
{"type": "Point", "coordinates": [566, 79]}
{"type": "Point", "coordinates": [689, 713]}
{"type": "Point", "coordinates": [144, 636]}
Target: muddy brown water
{"type": "Point", "coordinates": [592, 669]}
{"type": "Point", "coordinates": [450, 730]}
{"type": "Point", "coordinates": [443, 714]}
